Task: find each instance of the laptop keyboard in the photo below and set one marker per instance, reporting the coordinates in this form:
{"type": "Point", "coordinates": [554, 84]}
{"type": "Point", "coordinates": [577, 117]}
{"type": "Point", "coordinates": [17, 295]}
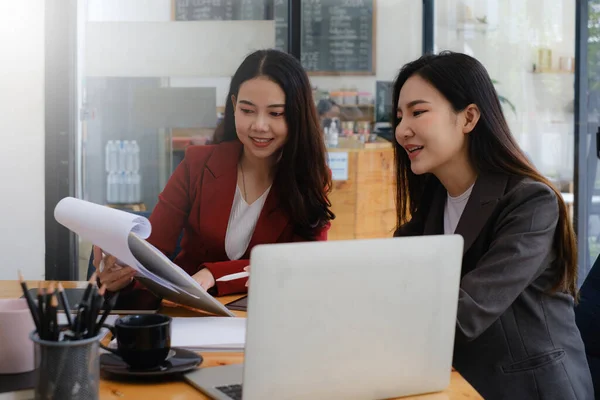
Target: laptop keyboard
{"type": "Point", "coordinates": [233, 391]}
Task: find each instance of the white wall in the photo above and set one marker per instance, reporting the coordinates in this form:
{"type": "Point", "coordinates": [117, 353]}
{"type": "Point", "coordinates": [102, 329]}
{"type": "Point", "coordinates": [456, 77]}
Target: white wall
{"type": "Point", "coordinates": [22, 240]}
{"type": "Point", "coordinates": [129, 10]}
{"type": "Point", "coordinates": [162, 49]}
{"type": "Point", "coordinates": [398, 40]}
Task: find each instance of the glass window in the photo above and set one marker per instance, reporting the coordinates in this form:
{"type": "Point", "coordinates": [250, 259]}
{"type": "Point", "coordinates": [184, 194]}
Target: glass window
{"type": "Point", "coordinates": [154, 79]}
{"type": "Point", "coordinates": [589, 128]}
{"type": "Point", "coordinates": [352, 50]}
{"type": "Point", "coordinates": [529, 52]}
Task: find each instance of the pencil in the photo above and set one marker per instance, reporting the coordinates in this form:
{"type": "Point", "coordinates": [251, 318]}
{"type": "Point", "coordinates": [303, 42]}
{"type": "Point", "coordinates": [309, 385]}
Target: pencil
{"type": "Point", "coordinates": [88, 289]}
{"type": "Point", "coordinates": [41, 294]}
{"type": "Point", "coordinates": [108, 306]}
{"type": "Point", "coordinates": [65, 304]}
{"type": "Point", "coordinates": [48, 312]}
{"type": "Point", "coordinates": [78, 320]}
{"type": "Point", "coordinates": [84, 307]}
{"type": "Point", "coordinates": [30, 302]}
{"type": "Point", "coordinates": [92, 312]}
{"type": "Point", "coordinates": [53, 323]}
{"type": "Point", "coordinates": [100, 303]}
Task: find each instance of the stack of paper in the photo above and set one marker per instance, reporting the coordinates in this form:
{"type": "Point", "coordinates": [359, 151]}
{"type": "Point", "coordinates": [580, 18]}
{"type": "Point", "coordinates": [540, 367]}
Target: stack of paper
{"type": "Point", "coordinates": [209, 333]}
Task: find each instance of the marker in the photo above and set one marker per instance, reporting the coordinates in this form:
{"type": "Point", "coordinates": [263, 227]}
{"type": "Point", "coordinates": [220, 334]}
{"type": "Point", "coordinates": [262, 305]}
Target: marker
{"type": "Point", "coordinates": [232, 277]}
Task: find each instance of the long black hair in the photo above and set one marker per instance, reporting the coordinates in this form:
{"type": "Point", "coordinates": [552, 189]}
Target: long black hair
{"type": "Point", "coordinates": [463, 80]}
{"type": "Point", "coordinates": [302, 177]}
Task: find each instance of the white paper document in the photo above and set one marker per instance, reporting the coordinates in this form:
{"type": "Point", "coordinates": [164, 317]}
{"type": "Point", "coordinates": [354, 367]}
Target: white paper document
{"type": "Point", "coordinates": [206, 334]}
{"type": "Point", "coordinates": [122, 235]}
{"type": "Point", "coordinates": [107, 228]}
{"type": "Point", "coordinates": [209, 333]}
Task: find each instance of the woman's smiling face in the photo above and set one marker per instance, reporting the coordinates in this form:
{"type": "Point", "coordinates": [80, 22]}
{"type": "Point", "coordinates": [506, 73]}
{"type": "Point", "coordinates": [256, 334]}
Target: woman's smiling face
{"type": "Point", "coordinates": [260, 117]}
{"type": "Point", "coordinates": [429, 129]}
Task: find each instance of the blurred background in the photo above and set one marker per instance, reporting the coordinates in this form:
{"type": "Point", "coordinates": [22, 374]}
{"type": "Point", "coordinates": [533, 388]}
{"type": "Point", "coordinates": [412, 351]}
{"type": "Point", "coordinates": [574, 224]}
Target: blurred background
{"type": "Point", "coordinates": [101, 98]}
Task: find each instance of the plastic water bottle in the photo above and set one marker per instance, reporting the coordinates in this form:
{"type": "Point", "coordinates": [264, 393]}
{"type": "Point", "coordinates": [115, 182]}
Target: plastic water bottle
{"type": "Point", "coordinates": [111, 156]}
{"type": "Point", "coordinates": [122, 185]}
{"type": "Point", "coordinates": [127, 155]}
{"type": "Point", "coordinates": [128, 184]}
{"type": "Point", "coordinates": [331, 136]}
{"type": "Point", "coordinates": [130, 155]}
{"type": "Point", "coordinates": [334, 132]}
{"type": "Point", "coordinates": [135, 150]}
{"type": "Point", "coordinates": [112, 187]}
{"type": "Point", "coordinates": [136, 181]}
{"type": "Point", "coordinates": [123, 145]}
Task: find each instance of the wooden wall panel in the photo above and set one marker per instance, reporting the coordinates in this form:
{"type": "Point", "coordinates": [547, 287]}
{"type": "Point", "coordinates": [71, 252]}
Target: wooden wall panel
{"type": "Point", "coordinates": [364, 205]}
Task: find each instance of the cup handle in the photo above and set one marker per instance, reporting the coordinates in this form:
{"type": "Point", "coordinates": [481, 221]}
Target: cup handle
{"type": "Point", "coordinates": [112, 332]}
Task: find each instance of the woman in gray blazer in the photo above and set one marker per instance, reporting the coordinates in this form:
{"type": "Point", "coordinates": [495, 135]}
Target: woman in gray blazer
{"type": "Point", "coordinates": [459, 170]}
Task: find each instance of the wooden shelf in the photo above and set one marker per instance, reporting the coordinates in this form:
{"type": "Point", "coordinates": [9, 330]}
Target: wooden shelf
{"type": "Point", "coordinates": [552, 71]}
{"type": "Point", "coordinates": [356, 105]}
{"type": "Point", "coordinates": [346, 144]}
{"type": "Point", "coordinates": [475, 26]}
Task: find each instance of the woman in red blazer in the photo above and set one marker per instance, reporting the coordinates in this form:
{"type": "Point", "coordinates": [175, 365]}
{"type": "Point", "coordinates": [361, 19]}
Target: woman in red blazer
{"type": "Point", "coordinates": [265, 181]}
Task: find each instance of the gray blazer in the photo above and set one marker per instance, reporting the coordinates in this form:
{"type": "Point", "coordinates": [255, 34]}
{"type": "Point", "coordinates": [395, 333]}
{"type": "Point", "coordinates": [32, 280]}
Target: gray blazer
{"type": "Point", "coordinates": [513, 339]}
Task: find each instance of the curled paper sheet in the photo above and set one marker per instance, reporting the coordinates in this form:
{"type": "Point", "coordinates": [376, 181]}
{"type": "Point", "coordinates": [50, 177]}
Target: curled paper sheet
{"type": "Point", "coordinates": [107, 228]}
{"type": "Point", "coordinates": [122, 235]}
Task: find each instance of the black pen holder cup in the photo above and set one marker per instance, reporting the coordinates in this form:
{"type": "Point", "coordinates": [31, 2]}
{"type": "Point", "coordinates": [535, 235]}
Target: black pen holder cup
{"type": "Point", "coordinates": [67, 370]}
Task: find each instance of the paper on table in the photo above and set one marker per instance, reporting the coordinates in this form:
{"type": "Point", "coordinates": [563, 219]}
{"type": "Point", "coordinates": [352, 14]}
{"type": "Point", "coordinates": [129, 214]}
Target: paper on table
{"type": "Point", "coordinates": [209, 333]}
{"type": "Point", "coordinates": [107, 228]}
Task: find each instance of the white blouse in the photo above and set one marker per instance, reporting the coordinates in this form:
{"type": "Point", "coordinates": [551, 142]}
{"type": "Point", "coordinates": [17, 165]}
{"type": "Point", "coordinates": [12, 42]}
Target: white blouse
{"type": "Point", "coordinates": [454, 209]}
{"type": "Point", "coordinates": [242, 221]}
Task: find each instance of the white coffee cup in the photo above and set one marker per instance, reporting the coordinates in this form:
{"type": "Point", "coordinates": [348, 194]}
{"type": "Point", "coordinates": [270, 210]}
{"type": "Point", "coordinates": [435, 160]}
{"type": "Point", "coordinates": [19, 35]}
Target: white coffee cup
{"type": "Point", "coordinates": [16, 349]}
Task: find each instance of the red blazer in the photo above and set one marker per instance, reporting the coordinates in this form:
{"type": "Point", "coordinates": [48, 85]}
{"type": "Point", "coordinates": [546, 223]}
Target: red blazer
{"type": "Point", "coordinates": [197, 199]}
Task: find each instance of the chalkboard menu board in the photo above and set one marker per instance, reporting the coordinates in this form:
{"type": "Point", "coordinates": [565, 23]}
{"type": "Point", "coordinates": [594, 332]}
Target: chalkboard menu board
{"type": "Point", "coordinates": [338, 36]}
{"type": "Point", "coordinates": [215, 10]}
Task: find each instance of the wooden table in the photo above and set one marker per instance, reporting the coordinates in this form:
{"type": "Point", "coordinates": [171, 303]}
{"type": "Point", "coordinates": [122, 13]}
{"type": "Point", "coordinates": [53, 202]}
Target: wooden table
{"type": "Point", "coordinates": [459, 388]}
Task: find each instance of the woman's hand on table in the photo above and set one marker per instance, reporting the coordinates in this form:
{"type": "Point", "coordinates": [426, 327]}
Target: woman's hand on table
{"type": "Point", "coordinates": [205, 278]}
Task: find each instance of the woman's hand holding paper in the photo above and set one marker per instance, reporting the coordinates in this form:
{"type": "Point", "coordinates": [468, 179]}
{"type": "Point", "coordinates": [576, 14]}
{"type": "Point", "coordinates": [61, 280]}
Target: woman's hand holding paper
{"type": "Point", "coordinates": [111, 274]}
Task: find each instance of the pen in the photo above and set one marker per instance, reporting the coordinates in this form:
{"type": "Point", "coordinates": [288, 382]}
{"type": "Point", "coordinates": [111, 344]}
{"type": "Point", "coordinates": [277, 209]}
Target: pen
{"type": "Point", "coordinates": [232, 277]}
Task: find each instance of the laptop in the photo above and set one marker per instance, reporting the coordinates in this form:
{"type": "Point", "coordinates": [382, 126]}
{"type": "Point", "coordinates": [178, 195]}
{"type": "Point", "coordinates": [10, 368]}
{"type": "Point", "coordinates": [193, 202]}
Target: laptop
{"type": "Point", "coordinates": [357, 319]}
